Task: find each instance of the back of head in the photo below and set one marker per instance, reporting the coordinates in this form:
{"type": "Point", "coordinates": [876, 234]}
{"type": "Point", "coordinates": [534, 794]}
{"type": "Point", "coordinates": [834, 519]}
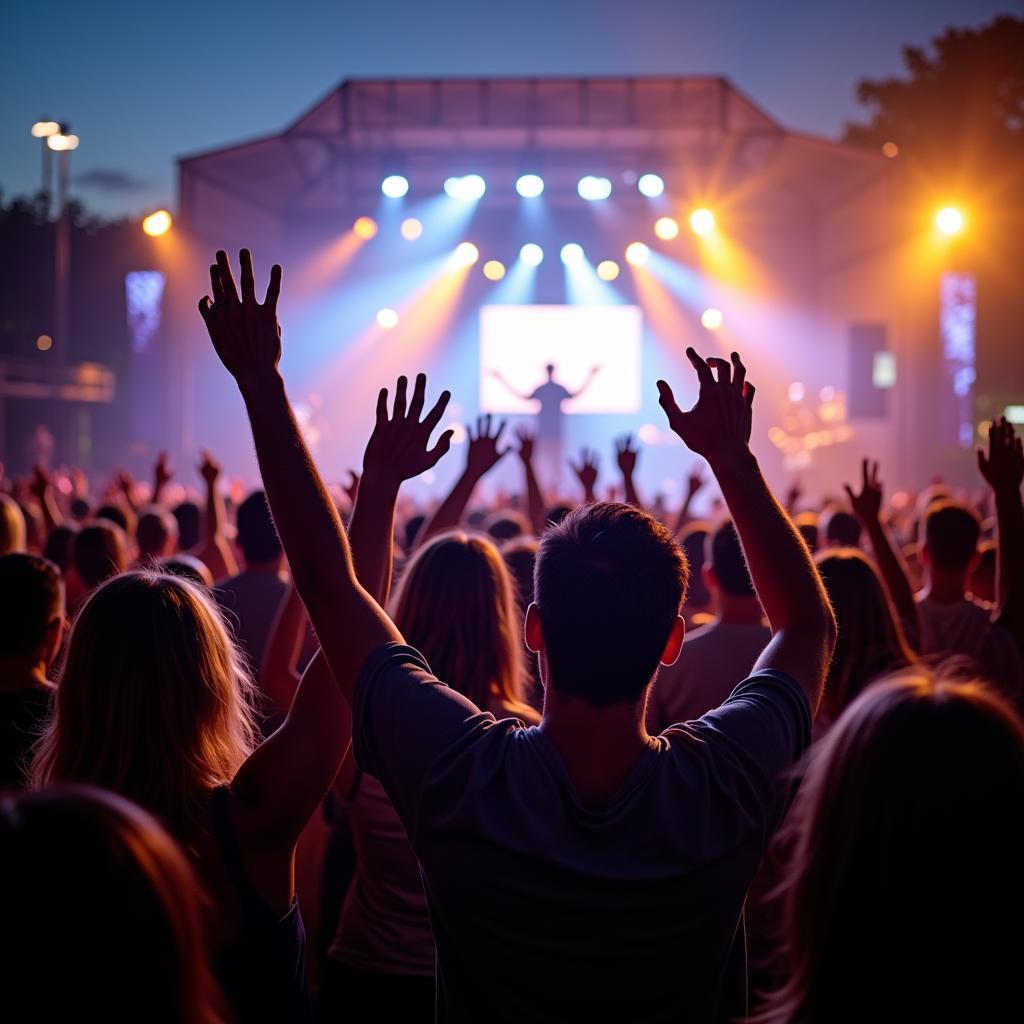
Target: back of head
{"type": "Point", "coordinates": [807, 524]}
{"type": "Point", "coordinates": [842, 528]}
{"type": "Point", "coordinates": [189, 567]}
{"type": "Point", "coordinates": [609, 583]}
{"type": "Point", "coordinates": [129, 944]}
{"type": "Point", "coordinates": [723, 551]}
{"type": "Point", "coordinates": [903, 887]}
{"type": "Point", "coordinates": [870, 641]}
{"type": "Point", "coordinates": [31, 600]}
{"type": "Point", "coordinates": [521, 556]}
{"type": "Point", "coordinates": [98, 552]}
{"type": "Point", "coordinates": [119, 516]}
{"type": "Point", "coordinates": [506, 525]}
{"type": "Point", "coordinates": [693, 541]}
{"type": "Point", "coordinates": [152, 701]}
{"type": "Point", "coordinates": [12, 525]}
{"type": "Point", "coordinates": [59, 544]}
{"type": "Point", "coordinates": [257, 536]}
{"type": "Point", "coordinates": [982, 583]}
{"type": "Point", "coordinates": [156, 533]}
{"type": "Point", "coordinates": [951, 532]}
{"type": "Point", "coordinates": [455, 603]}
{"type": "Point", "coordinates": [189, 518]}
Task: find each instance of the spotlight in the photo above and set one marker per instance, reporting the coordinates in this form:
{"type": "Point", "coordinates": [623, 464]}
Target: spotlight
{"type": "Point", "coordinates": [394, 186]}
{"type": "Point", "coordinates": [949, 220]}
{"type": "Point", "coordinates": [637, 254]}
{"type": "Point", "coordinates": [529, 186]}
{"type": "Point", "coordinates": [650, 185]}
{"type": "Point", "coordinates": [666, 228]}
{"type": "Point", "coordinates": [411, 229]}
{"type": "Point", "coordinates": [494, 270]}
{"type": "Point", "coordinates": [711, 319]}
{"type": "Point", "coordinates": [465, 255]}
{"type": "Point", "coordinates": [702, 221]}
{"type": "Point", "coordinates": [572, 254]}
{"type": "Point", "coordinates": [365, 227]}
{"type": "Point", "coordinates": [890, 149]}
{"type": "Point", "coordinates": [157, 224]}
{"type": "Point", "coordinates": [468, 188]}
{"type": "Point", "coordinates": [591, 188]}
{"type": "Point", "coordinates": [387, 318]}
{"type": "Point", "coordinates": [531, 254]}
{"type": "Point", "coordinates": [607, 270]}
{"type": "Point", "coordinates": [44, 343]}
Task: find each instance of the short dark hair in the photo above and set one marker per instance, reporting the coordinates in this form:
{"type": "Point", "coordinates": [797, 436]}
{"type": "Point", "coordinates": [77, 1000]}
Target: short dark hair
{"type": "Point", "coordinates": [31, 597]}
{"type": "Point", "coordinates": [257, 536]}
{"type": "Point", "coordinates": [807, 525]}
{"type": "Point", "coordinates": [842, 528]}
{"type": "Point", "coordinates": [155, 527]}
{"type": "Point", "coordinates": [609, 582]}
{"type": "Point", "coordinates": [118, 516]}
{"type": "Point", "coordinates": [951, 532]}
{"type": "Point", "coordinates": [723, 551]}
{"type": "Point", "coordinates": [99, 551]}
{"type": "Point", "coordinates": [189, 518]}
{"type": "Point", "coordinates": [58, 544]}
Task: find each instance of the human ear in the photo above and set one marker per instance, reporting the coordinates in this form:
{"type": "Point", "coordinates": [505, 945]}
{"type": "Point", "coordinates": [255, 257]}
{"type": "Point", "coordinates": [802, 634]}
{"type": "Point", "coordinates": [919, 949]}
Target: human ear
{"type": "Point", "coordinates": [533, 630]}
{"type": "Point", "coordinates": [674, 644]}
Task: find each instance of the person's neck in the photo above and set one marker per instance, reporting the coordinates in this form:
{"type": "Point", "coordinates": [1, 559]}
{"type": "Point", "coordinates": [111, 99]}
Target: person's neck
{"type": "Point", "coordinates": [599, 745]}
{"type": "Point", "coordinates": [21, 674]}
{"type": "Point", "coordinates": [738, 611]}
{"type": "Point", "coordinates": [946, 587]}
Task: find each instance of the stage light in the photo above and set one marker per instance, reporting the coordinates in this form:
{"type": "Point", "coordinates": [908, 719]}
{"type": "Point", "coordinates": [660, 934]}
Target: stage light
{"type": "Point", "coordinates": [494, 270]}
{"type": "Point", "coordinates": [702, 221]}
{"type": "Point", "coordinates": [157, 224]}
{"type": "Point", "coordinates": [365, 227]}
{"type": "Point", "coordinates": [591, 188]}
{"type": "Point", "coordinates": [44, 343]}
{"type": "Point", "coordinates": [387, 318]}
{"type": "Point", "coordinates": [711, 319]}
{"type": "Point", "coordinates": [411, 229]}
{"type": "Point", "coordinates": [637, 254]}
{"type": "Point", "coordinates": [607, 270]}
{"type": "Point", "coordinates": [666, 228]}
{"type": "Point", "coordinates": [394, 186]}
{"type": "Point", "coordinates": [650, 185]}
{"type": "Point", "coordinates": [43, 130]}
{"type": "Point", "coordinates": [60, 143]}
{"type": "Point", "coordinates": [949, 220]}
{"type": "Point", "coordinates": [529, 186]}
{"type": "Point", "coordinates": [468, 188]}
{"type": "Point", "coordinates": [572, 254]}
{"type": "Point", "coordinates": [531, 254]}
{"type": "Point", "coordinates": [465, 255]}
{"type": "Point", "coordinates": [890, 149]}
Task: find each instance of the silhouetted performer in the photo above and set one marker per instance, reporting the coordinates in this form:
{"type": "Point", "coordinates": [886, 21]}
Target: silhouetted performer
{"type": "Point", "coordinates": [550, 418]}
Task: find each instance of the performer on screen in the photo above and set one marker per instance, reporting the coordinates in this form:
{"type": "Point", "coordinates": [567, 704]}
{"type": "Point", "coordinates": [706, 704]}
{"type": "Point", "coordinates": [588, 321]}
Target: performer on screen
{"type": "Point", "coordinates": [550, 396]}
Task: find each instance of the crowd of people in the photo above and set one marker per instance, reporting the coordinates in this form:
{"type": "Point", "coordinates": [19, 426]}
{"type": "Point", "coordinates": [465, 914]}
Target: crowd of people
{"type": "Point", "coordinates": [581, 762]}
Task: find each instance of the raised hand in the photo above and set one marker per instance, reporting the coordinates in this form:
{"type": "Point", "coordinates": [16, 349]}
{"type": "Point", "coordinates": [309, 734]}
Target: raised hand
{"type": "Point", "coordinates": [1003, 466]}
{"type": "Point", "coordinates": [352, 487]}
{"type": "Point", "coordinates": [162, 471]}
{"type": "Point", "coordinates": [483, 452]}
{"type": "Point", "coordinates": [209, 468]}
{"type": "Point", "coordinates": [867, 505]}
{"type": "Point", "coordinates": [526, 442]}
{"type": "Point", "coordinates": [244, 332]}
{"type": "Point", "coordinates": [399, 445]}
{"type": "Point", "coordinates": [586, 471]}
{"type": "Point", "coordinates": [718, 426]}
{"type": "Point", "coordinates": [694, 482]}
{"type": "Point", "coordinates": [626, 454]}
{"type": "Point", "coordinates": [41, 483]}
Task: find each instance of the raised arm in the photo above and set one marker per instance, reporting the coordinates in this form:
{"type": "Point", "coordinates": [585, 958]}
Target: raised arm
{"type": "Point", "coordinates": [508, 387]}
{"type": "Point", "coordinates": [694, 482]}
{"type": "Point", "coordinates": [398, 450]}
{"type": "Point", "coordinates": [534, 498]}
{"type": "Point", "coordinates": [625, 456]}
{"type": "Point", "coordinates": [1003, 469]}
{"type": "Point", "coordinates": [867, 506]}
{"type": "Point", "coordinates": [42, 490]}
{"type": "Point", "coordinates": [215, 551]}
{"type": "Point", "coordinates": [162, 476]}
{"type": "Point", "coordinates": [586, 473]}
{"type": "Point", "coordinates": [783, 573]}
{"type": "Point", "coordinates": [483, 455]}
{"type": "Point", "coordinates": [349, 623]}
{"type": "Point", "coordinates": [594, 371]}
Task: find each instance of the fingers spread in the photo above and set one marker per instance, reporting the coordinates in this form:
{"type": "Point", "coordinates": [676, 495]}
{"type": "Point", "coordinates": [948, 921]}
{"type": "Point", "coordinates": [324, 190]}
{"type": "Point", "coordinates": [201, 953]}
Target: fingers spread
{"type": "Point", "coordinates": [227, 279]}
{"type": "Point", "coordinates": [273, 288]}
{"type": "Point", "coordinates": [434, 416]}
{"type": "Point", "coordinates": [723, 369]}
{"type": "Point", "coordinates": [739, 371]}
{"type": "Point", "coordinates": [418, 394]}
{"type": "Point", "coordinates": [215, 285]}
{"type": "Point", "coordinates": [382, 405]}
{"type": "Point", "coordinates": [248, 276]}
{"type": "Point", "coordinates": [205, 308]}
{"type": "Point", "coordinates": [702, 368]}
{"type": "Point", "coordinates": [666, 399]}
{"type": "Point", "coordinates": [400, 389]}
{"type": "Point", "coordinates": [444, 442]}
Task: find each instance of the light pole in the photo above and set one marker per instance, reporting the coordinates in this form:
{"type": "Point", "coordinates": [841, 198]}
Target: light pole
{"type": "Point", "coordinates": [43, 130]}
{"type": "Point", "coordinates": [62, 143]}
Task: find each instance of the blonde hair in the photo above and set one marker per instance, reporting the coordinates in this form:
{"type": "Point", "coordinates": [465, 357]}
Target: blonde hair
{"type": "Point", "coordinates": [12, 526]}
{"type": "Point", "coordinates": [456, 604]}
{"type": "Point", "coordinates": [152, 699]}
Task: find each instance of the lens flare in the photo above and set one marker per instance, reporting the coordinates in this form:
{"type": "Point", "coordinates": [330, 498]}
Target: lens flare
{"type": "Point", "coordinates": [531, 254]}
{"type": "Point", "coordinates": [157, 224]}
{"type": "Point", "coordinates": [637, 254]}
{"type": "Point", "coordinates": [365, 227]}
{"type": "Point", "coordinates": [607, 270]}
{"type": "Point", "coordinates": [711, 319]}
{"type": "Point", "coordinates": [411, 229]}
{"type": "Point", "coordinates": [702, 221]}
{"type": "Point", "coordinates": [666, 228]}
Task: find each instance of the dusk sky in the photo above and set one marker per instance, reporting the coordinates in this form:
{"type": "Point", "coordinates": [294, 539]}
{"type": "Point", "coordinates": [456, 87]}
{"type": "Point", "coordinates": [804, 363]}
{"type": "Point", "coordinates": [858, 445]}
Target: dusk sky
{"type": "Point", "coordinates": [143, 83]}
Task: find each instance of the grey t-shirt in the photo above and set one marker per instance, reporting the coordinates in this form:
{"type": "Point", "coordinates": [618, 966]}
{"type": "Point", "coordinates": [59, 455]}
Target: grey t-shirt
{"type": "Point", "coordinates": [546, 910]}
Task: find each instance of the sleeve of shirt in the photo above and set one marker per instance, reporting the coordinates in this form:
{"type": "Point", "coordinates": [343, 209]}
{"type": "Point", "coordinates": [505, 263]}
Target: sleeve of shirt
{"type": "Point", "coordinates": [403, 721]}
{"type": "Point", "coordinates": [753, 741]}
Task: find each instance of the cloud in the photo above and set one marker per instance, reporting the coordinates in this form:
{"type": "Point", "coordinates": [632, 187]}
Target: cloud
{"type": "Point", "coordinates": [109, 179]}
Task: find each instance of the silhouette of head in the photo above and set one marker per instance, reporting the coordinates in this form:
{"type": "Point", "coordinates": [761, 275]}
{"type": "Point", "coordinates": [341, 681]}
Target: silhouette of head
{"type": "Point", "coordinates": [550, 370]}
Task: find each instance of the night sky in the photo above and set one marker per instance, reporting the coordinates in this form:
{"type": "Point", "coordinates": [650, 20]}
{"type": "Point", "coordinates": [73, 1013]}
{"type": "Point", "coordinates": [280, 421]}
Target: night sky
{"type": "Point", "coordinates": [143, 83]}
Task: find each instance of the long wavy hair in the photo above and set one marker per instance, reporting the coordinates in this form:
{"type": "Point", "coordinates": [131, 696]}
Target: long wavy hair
{"type": "Point", "coordinates": [456, 604]}
{"type": "Point", "coordinates": [870, 641]}
{"type": "Point", "coordinates": [152, 699]}
{"type": "Point", "coordinates": [130, 943]}
{"type": "Point", "coordinates": [902, 891]}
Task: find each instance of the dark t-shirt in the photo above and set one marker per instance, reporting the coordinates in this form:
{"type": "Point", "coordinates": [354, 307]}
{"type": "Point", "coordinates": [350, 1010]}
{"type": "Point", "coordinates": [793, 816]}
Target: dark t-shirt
{"type": "Point", "coordinates": [23, 713]}
{"type": "Point", "coordinates": [546, 910]}
{"type": "Point", "coordinates": [549, 418]}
